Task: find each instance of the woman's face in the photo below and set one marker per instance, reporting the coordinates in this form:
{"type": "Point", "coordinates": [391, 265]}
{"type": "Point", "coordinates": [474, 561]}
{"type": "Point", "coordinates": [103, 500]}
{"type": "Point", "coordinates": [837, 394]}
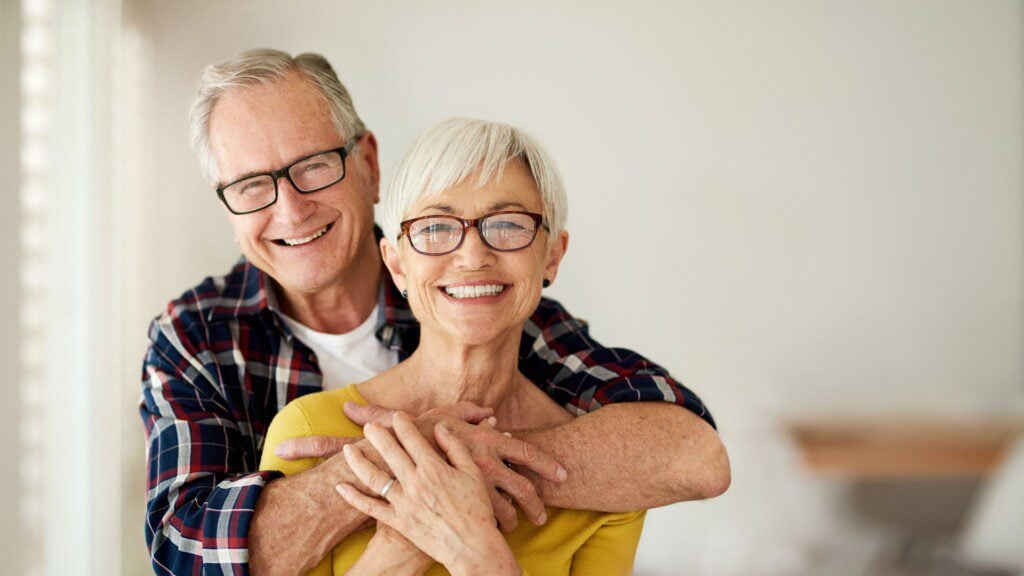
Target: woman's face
{"type": "Point", "coordinates": [432, 280]}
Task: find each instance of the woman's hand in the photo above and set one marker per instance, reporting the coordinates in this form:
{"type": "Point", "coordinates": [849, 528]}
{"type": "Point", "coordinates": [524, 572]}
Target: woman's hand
{"type": "Point", "coordinates": [443, 509]}
{"type": "Point", "coordinates": [390, 554]}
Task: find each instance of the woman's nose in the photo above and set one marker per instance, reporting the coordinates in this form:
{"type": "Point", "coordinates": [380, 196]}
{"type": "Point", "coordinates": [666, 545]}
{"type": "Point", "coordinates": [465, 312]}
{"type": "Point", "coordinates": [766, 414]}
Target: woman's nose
{"type": "Point", "coordinates": [473, 253]}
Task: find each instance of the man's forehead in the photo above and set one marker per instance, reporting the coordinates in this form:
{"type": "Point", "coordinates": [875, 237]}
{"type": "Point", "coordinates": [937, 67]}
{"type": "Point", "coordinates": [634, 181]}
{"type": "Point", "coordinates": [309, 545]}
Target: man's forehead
{"type": "Point", "coordinates": [263, 127]}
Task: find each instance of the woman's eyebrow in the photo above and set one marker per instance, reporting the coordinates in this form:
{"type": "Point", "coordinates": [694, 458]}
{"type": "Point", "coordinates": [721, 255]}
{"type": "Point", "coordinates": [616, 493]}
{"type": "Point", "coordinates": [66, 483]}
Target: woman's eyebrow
{"type": "Point", "coordinates": [446, 208]}
{"type": "Point", "coordinates": [502, 205]}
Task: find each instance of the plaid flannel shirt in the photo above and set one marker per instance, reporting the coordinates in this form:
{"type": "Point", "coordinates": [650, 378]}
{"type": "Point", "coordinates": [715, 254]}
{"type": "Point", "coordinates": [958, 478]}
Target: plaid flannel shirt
{"type": "Point", "coordinates": [221, 363]}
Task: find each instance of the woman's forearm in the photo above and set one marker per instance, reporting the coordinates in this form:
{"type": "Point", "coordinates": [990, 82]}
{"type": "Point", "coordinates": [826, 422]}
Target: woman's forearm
{"type": "Point", "coordinates": [488, 555]}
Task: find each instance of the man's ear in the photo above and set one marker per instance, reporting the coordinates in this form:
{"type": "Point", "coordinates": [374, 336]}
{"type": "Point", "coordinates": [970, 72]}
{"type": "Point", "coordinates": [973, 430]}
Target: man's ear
{"type": "Point", "coordinates": [368, 156]}
{"type": "Point", "coordinates": [555, 255]}
{"type": "Point", "coordinates": [389, 253]}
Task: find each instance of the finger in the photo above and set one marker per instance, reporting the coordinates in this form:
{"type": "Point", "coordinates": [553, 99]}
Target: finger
{"type": "Point", "coordinates": [526, 454]}
{"type": "Point", "coordinates": [368, 473]}
{"type": "Point", "coordinates": [518, 487]}
{"type": "Point", "coordinates": [364, 414]}
{"type": "Point", "coordinates": [390, 450]}
{"type": "Point", "coordinates": [504, 512]}
{"type": "Point", "coordinates": [414, 443]}
{"type": "Point", "coordinates": [312, 447]}
{"type": "Point", "coordinates": [376, 508]}
{"type": "Point", "coordinates": [472, 413]}
{"type": "Point", "coordinates": [456, 450]}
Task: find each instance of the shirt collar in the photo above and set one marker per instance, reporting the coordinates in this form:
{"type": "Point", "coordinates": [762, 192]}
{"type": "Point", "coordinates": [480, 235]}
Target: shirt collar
{"type": "Point", "coordinates": [248, 292]}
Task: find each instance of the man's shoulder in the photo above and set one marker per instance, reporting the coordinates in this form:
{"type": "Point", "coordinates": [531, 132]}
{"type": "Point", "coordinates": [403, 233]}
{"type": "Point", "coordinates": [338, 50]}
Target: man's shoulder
{"type": "Point", "coordinates": [214, 299]}
{"type": "Point", "coordinates": [550, 316]}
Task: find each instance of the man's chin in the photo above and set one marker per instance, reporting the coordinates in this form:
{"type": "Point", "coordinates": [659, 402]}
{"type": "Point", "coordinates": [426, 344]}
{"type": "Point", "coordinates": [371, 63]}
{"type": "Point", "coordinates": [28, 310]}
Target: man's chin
{"type": "Point", "coordinates": [307, 279]}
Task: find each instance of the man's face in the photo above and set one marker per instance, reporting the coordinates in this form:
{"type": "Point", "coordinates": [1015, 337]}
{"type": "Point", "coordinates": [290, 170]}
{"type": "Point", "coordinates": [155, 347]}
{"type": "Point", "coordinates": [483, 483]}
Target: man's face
{"type": "Point", "coordinates": [306, 242]}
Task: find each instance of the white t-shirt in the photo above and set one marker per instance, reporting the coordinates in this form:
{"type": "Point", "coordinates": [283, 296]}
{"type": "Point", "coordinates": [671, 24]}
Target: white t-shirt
{"type": "Point", "coordinates": [346, 358]}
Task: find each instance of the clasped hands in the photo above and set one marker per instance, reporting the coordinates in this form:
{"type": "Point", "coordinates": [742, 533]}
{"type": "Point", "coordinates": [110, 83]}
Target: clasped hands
{"type": "Point", "coordinates": [449, 471]}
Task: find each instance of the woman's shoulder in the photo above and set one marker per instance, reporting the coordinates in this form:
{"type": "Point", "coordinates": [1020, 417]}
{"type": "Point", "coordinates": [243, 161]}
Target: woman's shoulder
{"type": "Point", "coordinates": [317, 414]}
{"type": "Point", "coordinates": [323, 412]}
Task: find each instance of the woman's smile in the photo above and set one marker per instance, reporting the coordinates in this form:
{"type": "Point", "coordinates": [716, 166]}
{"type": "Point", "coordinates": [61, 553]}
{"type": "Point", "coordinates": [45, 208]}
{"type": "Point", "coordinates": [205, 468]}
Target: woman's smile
{"type": "Point", "coordinates": [485, 292]}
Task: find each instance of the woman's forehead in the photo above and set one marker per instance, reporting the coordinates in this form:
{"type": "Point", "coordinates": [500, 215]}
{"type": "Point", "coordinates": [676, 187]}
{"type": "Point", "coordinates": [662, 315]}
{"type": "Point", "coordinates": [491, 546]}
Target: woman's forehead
{"type": "Point", "coordinates": [514, 190]}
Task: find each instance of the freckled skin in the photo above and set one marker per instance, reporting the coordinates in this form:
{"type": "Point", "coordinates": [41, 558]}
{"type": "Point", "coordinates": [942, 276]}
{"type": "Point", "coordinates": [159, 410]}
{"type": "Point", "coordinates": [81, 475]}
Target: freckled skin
{"type": "Point", "coordinates": [267, 127]}
{"type": "Point", "coordinates": [470, 322]}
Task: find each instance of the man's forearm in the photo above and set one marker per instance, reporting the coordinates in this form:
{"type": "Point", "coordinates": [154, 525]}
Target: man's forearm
{"type": "Point", "coordinates": [299, 519]}
{"type": "Point", "coordinates": [631, 456]}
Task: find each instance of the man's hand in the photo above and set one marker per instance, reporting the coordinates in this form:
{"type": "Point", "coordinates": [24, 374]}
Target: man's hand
{"type": "Point", "coordinates": [474, 426]}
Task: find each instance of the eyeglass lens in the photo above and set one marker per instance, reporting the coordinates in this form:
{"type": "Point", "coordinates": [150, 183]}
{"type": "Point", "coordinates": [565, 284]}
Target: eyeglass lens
{"type": "Point", "coordinates": [307, 175]}
{"type": "Point", "coordinates": [441, 234]}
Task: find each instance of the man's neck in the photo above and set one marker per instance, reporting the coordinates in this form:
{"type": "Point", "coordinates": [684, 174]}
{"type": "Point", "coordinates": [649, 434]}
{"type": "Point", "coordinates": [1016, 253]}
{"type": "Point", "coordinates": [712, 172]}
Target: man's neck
{"type": "Point", "coordinates": [345, 304]}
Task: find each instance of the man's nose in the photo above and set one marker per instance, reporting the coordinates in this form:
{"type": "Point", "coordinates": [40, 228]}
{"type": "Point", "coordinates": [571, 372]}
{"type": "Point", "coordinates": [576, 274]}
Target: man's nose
{"type": "Point", "coordinates": [473, 254]}
{"type": "Point", "coordinates": [292, 207]}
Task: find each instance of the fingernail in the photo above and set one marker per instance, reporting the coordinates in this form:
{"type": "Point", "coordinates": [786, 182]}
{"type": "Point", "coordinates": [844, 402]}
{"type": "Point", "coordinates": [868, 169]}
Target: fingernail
{"type": "Point", "coordinates": [561, 474]}
{"type": "Point", "coordinates": [492, 421]}
{"type": "Point", "coordinates": [347, 449]}
{"type": "Point", "coordinates": [542, 518]}
{"type": "Point", "coordinates": [340, 489]}
{"type": "Point", "coordinates": [509, 434]}
{"type": "Point", "coordinates": [280, 452]}
{"type": "Point", "coordinates": [444, 428]}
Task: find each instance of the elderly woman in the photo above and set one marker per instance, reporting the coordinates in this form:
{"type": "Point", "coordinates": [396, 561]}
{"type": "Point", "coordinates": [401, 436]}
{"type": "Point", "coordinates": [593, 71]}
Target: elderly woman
{"type": "Point", "coordinates": [473, 224]}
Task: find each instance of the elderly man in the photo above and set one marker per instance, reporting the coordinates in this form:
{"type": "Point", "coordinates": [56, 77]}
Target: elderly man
{"type": "Point", "coordinates": [310, 307]}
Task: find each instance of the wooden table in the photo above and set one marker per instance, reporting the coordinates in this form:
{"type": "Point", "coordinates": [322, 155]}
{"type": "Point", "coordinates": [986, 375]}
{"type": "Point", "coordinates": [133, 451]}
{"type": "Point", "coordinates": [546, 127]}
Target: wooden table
{"type": "Point", "coordinates": [878, 448]}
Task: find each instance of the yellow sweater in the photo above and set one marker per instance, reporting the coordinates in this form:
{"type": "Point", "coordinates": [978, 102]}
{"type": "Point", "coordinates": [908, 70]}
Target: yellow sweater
{"type": "Point", "coordinates": [571, 542]}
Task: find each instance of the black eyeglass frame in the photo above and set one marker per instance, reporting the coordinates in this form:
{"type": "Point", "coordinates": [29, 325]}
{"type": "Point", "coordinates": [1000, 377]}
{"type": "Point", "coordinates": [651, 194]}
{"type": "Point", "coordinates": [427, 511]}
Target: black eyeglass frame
{"type": "Point", "coordinates": [538, 222]}
{"type": "Point", "coordinates": [344, 152]}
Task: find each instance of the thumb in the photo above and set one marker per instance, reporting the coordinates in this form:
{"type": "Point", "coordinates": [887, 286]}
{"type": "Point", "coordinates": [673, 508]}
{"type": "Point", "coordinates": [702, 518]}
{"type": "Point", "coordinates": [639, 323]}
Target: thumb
{"type": "Point", "coordinates": [457, 452]}
{"type": "Point", "coordinates": [472, 413]}
{"type": "Point", "coordinates": [312, 447]}
{"type": "Point", "coordinates": [363, 415]}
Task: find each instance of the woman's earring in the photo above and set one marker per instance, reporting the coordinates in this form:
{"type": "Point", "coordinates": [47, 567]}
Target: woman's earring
{"type": "Point", "coordinates": [405, 294]}
{"type": "Point", "coordinates": [545, 283]}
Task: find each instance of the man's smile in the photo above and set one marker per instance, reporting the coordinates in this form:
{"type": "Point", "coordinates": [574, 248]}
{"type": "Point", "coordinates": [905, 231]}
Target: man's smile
{"type": "Point", "coordinates": [300, 241]}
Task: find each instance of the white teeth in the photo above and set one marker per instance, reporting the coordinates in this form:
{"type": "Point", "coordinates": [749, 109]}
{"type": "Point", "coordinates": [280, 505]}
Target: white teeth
{"type": "Point", "coordinates": [310, 238]}
{"type": "Point", "coordinates": [474, 291]}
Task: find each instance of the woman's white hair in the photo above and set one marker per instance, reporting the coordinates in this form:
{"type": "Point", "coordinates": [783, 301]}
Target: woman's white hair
{"type": "Point", "coordinates": [256, 67]}
{"type": "Point", "coordinates": [447, 154]}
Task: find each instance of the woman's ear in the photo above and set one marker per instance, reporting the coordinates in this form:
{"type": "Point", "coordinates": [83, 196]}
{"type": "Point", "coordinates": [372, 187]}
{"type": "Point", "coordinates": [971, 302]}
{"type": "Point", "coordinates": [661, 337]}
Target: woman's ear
{"type": "Point", "coordinates": [555, 255]}
{"type": "Point", "coordinates": [389, 252]}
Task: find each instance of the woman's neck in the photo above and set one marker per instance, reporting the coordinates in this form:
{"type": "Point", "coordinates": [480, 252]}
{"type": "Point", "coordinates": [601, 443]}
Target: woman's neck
{"type": "Point", "coordinates": [444, 371]}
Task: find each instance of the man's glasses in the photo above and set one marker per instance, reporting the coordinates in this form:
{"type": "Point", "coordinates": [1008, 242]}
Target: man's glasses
{"type": "Point", "coordinates": [501, 231]}
{"type": "Point", "coordinates": [309, 174]}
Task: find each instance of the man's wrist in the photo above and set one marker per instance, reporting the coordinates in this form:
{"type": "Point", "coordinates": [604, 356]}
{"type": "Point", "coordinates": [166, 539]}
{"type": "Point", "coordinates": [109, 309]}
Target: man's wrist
{"type": "Point", "coordinates": [299, 519]}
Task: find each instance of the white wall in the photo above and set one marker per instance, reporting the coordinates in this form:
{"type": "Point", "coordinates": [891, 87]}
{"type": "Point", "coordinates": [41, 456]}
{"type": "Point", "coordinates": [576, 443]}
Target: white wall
{"type": "Point", "coordinates": [800, 208]}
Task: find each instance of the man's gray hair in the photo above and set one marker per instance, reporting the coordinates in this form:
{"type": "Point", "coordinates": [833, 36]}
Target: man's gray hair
{"type": "Point", "coordinates": [451, 151]}
{"type": "Point", "coordinates": [256, 67]}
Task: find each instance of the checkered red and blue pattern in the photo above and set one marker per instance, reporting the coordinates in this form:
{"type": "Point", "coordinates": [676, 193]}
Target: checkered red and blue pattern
{"type": "Point", "coordinates": [221, 363]}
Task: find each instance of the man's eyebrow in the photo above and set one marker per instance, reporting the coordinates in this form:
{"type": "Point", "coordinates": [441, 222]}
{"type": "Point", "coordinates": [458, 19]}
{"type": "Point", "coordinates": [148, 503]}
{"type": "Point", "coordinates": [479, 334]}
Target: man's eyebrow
{"type": "Point", "coordinates": [245, 176]}
{"type": "Point", "coordinates": [252, 173]}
